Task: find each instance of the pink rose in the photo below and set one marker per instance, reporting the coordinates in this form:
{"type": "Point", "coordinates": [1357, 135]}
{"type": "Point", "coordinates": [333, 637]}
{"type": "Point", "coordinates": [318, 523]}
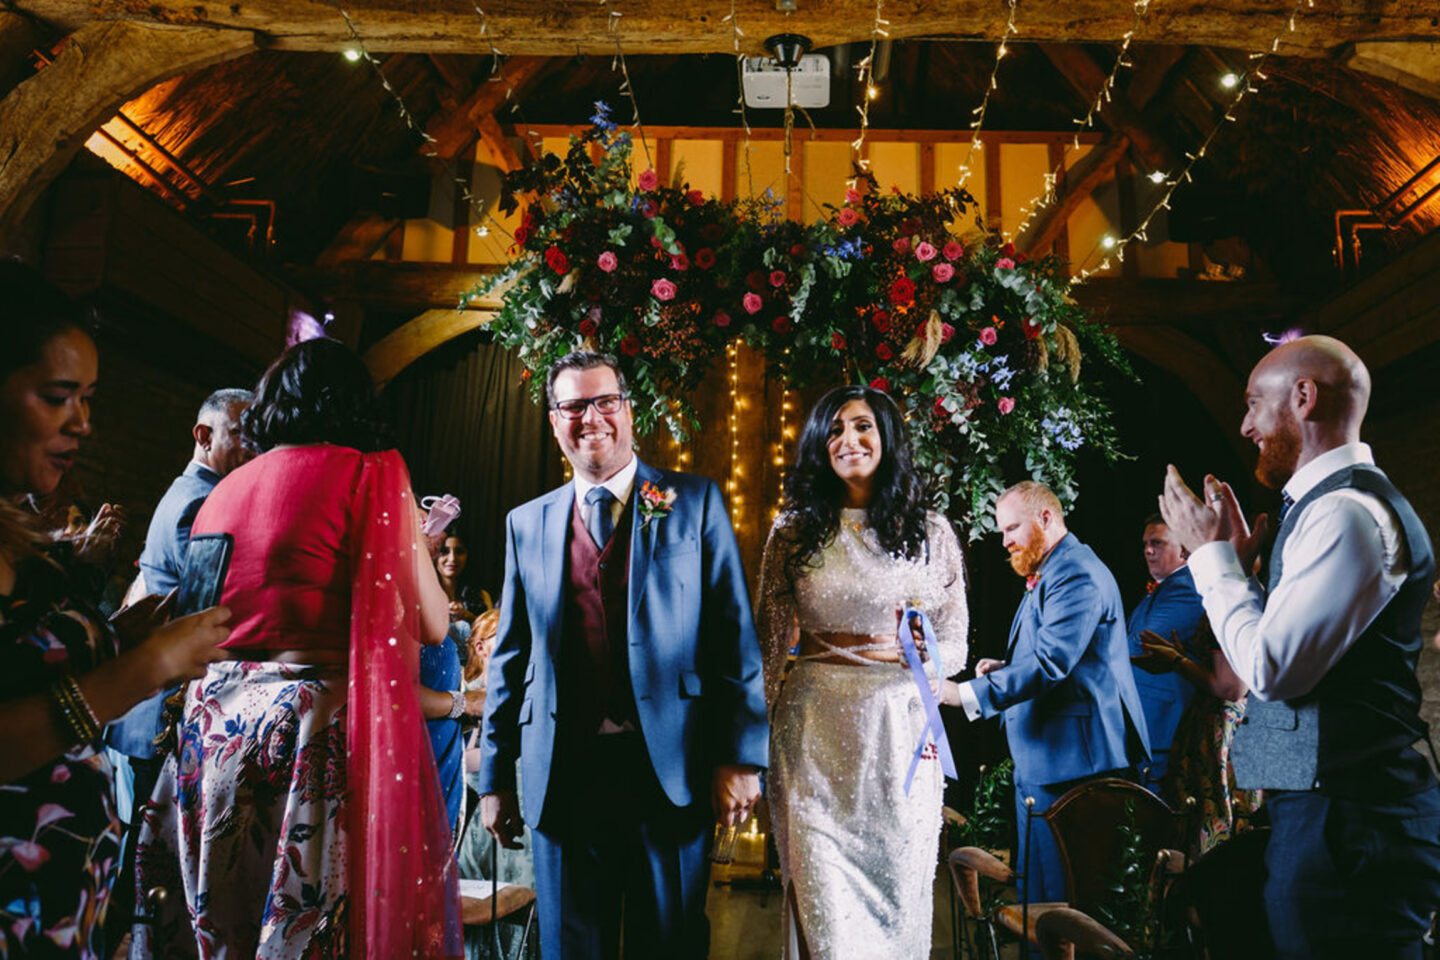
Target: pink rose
{"type": "Point", "coordinates": [852, 195]}
{"type": "Point", "coordinates": [1006, 404]}
{"type": "Point", "coordinates": [648, 180]}
{"type": "Point", "coordinates": [1004, 263]}
{"type": "Point", "coordinates": [722, 319]}
{"type": "Point", "coordinates": [988, 336]}
{"type": "Point", "coordinates": [848, 217]}
{"type": "Point", "coordinates": [777, 278]}
{"type": "Point", "coordinates": [607, 261]}
{"type": "Point", "coordinates": [946, 332]}
{"type": "Point", "coordinates": [902, 246]}
{"type": "Point", "coordinates": [953, 250]}
{"type": "Point", "coordinates": [680, 262]}
{"type": "Point", "coordinates": [752, 302]}
{"type": "Point", "coordinates": [662, 289]}
{"type": "Point", "coordinates": [942, 272]}
{"type": "Point", "coordinates": [924, 251]}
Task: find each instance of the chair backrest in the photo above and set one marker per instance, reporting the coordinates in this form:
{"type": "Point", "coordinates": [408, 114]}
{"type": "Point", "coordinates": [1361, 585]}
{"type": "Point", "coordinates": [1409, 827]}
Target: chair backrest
{"type": "Point", "coordinates": [1092, 824]}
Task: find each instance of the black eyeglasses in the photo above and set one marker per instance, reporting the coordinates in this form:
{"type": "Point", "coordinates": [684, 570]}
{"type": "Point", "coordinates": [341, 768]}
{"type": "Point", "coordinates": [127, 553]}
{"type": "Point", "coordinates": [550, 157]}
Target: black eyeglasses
{"type": "Point", "coordinates": [606, 403]}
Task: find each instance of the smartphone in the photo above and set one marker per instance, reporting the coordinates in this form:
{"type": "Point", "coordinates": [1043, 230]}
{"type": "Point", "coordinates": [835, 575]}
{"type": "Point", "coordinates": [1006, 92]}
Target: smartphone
{"type": "Point", "coordinates": [202, 579]}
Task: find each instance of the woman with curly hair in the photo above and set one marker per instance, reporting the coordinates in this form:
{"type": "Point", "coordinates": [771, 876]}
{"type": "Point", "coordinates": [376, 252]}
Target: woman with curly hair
{"type": "Point", "coordinates": [853, 544]}
{"type": "Point", "coordinates": [301, 814]}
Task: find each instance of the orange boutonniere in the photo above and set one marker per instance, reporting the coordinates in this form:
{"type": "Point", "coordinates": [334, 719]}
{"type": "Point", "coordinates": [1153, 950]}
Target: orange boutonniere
{"type": "Point", "coordinates": [1031, 582]}
{"type": "Point", "coordinates": [1150, 586]}
{"type": "Point", "coordinates": [655, 503]}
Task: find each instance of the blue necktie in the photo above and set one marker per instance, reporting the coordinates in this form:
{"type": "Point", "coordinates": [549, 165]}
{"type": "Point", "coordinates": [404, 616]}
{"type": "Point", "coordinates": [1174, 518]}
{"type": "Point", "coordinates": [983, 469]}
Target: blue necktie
{"type": "Point", "coordinates": [601, 524]}
{"type": "Point", "coordinates": [1286, 502]}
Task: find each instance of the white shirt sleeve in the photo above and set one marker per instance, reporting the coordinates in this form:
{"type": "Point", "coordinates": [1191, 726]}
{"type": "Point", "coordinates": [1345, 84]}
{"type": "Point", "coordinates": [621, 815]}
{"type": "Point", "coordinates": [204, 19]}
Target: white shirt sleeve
{"type": "Point", "coordinates": [969, 701]}
{"type": "Point", "coordinates": [1342, 564]}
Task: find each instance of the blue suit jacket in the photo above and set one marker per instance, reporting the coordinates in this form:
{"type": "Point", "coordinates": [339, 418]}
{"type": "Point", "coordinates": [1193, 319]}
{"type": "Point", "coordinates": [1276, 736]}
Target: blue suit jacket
{"type": "Point", "coordinates": [1067, 694]}
{"type": "Point", "coordinates": [1173, 606]}
{"type": "Point", "coordinates": [161, 562]}
{"type": "Point", "coordinates": [694, 659]}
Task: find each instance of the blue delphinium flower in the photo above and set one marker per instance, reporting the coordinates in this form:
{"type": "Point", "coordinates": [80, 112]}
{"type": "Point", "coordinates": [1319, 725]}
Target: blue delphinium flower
{"type": "Point", "coordinates": [601, 120]}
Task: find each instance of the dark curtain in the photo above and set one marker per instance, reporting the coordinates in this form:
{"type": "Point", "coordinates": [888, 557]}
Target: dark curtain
{"type": "Point", "coordinates": [467, 426]}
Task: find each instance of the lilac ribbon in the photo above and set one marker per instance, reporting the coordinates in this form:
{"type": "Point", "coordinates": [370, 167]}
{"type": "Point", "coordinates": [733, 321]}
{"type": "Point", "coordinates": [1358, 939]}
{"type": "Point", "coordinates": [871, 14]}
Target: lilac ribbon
{"type": "Point", "coordinates": [927, 697]}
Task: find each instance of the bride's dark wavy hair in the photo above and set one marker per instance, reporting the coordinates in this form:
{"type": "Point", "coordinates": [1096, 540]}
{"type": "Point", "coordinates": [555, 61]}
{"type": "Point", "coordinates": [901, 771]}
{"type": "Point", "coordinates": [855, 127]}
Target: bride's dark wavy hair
{"type": "Point", "coordinates": [318, 391]}
{"type": "Point", "coordinates": [814, 494]}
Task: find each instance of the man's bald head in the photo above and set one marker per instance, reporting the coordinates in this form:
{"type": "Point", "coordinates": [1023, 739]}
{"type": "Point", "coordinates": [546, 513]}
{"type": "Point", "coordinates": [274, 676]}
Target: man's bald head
{"type": "Point", "coordinates": [1343, 380]}
{"type": "Point", "coordinates": [1304, 398]}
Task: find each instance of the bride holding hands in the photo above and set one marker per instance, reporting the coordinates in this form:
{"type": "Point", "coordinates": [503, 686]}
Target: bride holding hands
{"type": "Point", "coordinates": [853, 544]}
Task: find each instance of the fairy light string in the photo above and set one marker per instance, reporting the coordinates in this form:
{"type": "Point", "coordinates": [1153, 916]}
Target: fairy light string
{"type": "Point", "coordinates": [374, 64]}
{"type": "Point", "coordinates": [737, 35]}
{"type": "Point", "coordinates": [1253, 74]}
{"type": "Point", "coordinates": [1104, 95]}
{"type": "Point", "coordinates": [617, 63]}
{"type": "Point", "coordinates": [865, 74]}
{"type": "Point", "coordinates": [1001, 49]}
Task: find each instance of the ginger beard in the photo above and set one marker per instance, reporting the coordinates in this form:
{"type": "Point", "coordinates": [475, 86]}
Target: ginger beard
{"type": "Point", "coordinates": [1279, 452]}
{"type": "Point", "coordinates": [1025, 558]}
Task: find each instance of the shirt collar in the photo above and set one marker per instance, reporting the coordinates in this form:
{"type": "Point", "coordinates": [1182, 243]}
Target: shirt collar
{"type": "Point", "coordinates": [1305, 479]}
{"type": "Point", "coordinates": [620, 484]}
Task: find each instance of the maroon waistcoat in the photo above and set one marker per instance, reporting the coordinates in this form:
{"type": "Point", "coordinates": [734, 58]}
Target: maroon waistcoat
{"type": "Point", "coordinates": [595, 663]}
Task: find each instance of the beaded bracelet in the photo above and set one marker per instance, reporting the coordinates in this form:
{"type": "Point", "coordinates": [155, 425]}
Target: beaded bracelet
{"type": "Point", "coordinates": [457, 705]}
{"type": "Point", "coordinates": [75, 711]}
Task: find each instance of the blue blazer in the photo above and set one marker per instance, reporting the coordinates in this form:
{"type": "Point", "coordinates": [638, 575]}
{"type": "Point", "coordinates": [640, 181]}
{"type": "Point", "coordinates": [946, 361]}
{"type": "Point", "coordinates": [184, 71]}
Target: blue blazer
{"type": "Point", "coordinates": [1067, 695]}
{"type": "Point", "coordinates": [1173, 606]}
{"type": "Point", "coordinates": [694, 659]}
{"type": "Point", "coordinates": [161, 562]}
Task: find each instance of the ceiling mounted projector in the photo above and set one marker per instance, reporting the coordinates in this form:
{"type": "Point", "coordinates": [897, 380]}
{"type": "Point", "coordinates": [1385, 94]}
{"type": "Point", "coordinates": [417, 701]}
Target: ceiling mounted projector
{"type": "Point", "coordinates": [763, 80]}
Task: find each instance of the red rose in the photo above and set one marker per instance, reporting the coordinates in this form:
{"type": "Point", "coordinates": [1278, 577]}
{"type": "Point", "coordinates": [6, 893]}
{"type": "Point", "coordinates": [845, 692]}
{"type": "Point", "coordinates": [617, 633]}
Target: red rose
{"type": "Point", "coordinates": [883, 352]}
{"type": "Point", "coordinates": [952, 250]}
{"type": "Point", "coordinates": [880, 383]}
{"type": "Point", "coordinates": [649, 209]}
{"type": "Point", "coordinates": [588, 327]}
{"type": "Point", "coordinates": [655, 242]}
{"type": "Point", "coordinates": [704, 258]}
{"type": "Point", "coordinates": [837, 340]}
{"type": "Point", "coordinates": [1022, 257]}
{"type": "Point", "coordinates": [940, 410]}
{"type": "Point", "coordinates": [777, 278]}
{"type": "Point", "coordinates": [557, 260]}
{"type": "Point", "coordinates": [1008, 250]}
{"type": "Point", "coordinates": [712, 232]}
{"type": "Point", "coordinates": [901, 246]}
{"type": "Point", "coordinates": [781, 324]}
{"type": "Point", "coordinates": [946, 332]}
{"type": "Point", "coordinates": [722, 319]}
{"type": "Point", "coordinates": [797, 251]}
{"type": "Point", "coordinates": [910, 225]}
{"type": "Point", "coordinates": [902, 292]}
{"type": "Point", "coordinates": [522, 234]}
{"type": "Point", "coordinates": [755, 280]}
{"type": "Point", "coordinates": [680, 262]}
{"type": "Point", "coordinates": [696, 197]}
{"type": "Point", "coordinates": [881, 321]}
{"type": "Point", "coordinates": [630, 346]}
{"type": "Point", "coordinates": [1031, 327]}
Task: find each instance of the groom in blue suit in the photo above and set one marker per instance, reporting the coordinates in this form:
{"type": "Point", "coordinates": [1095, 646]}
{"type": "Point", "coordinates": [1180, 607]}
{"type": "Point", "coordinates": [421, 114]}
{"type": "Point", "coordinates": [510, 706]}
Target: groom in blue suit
{"type": "Point", "coordinates": [626, 680]}
{"type": "Point", "coordinates": [1065, 694]}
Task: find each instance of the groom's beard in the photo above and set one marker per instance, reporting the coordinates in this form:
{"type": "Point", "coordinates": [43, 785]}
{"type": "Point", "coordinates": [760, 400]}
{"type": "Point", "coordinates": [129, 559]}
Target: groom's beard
{"type": "Point", "coordinates": [1027, 559]}
{"type": "Point", "coordinates": [1279, 455]}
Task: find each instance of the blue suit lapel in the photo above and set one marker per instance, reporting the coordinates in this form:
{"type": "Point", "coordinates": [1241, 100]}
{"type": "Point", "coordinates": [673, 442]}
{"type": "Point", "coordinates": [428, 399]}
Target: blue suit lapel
{"type": "Point", "coordinates": [555, 528]}
{"type": "Point", "coordinates": [642, 539]}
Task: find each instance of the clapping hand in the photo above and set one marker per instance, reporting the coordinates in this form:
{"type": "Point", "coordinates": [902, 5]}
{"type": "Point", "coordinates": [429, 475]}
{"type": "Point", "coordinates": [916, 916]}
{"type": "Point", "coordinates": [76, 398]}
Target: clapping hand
{"type": "Point", "coordinates": [1159, 655]}
{"type": "Point", "coordinates": [1218, 517]}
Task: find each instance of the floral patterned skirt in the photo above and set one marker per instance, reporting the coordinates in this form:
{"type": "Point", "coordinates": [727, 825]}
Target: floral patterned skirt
{"type": "Point", "coordinates": [246, 828]}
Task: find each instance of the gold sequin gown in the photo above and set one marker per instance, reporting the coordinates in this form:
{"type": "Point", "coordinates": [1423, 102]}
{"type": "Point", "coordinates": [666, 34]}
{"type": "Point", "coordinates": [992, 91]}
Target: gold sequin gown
{"type": "Point", "coordinates": [857, 855]}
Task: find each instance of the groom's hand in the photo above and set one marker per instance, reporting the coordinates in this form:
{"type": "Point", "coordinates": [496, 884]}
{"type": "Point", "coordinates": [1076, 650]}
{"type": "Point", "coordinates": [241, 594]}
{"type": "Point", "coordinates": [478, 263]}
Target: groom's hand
{"type": "Point", "coordinates": [500, 816]}
{"type": "Point", "coordinates": [735, 789]}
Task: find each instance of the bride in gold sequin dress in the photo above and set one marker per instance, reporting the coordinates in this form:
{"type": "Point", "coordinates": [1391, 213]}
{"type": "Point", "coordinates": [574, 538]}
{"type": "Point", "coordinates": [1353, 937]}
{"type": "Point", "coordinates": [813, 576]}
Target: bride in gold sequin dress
{"type": "Point", "coordinates": [853, 544]}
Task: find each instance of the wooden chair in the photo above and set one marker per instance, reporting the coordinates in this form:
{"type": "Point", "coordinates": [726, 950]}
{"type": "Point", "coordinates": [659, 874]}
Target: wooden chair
{"type": "Point", "coordinates": [1089, 823]}
{"type": "Point", "coordinates": [1065, 934]}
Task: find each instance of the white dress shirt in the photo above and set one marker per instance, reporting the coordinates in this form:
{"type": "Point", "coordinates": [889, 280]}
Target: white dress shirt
{"type": "Point", "coordinates": [1343, 562]}
{"type": "Point", "coordinates": [621, 484]}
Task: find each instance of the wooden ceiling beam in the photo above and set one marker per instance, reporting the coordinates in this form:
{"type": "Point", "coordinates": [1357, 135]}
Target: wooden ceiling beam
{"type": "Point", "coordinates": [567, 27]}
{"type": "Point", "coordinates": [400, 286]}
{"type": "Point", "coordinates": [47, 119]}
{"type": "Point", "coordinates": [456, 130]}
{"type": "Point", "coordinates": [1122, 116]}
{"type": "Point", "coordinates": [415, 338]}
{"type": "Point", "coordinates": [359, 239]}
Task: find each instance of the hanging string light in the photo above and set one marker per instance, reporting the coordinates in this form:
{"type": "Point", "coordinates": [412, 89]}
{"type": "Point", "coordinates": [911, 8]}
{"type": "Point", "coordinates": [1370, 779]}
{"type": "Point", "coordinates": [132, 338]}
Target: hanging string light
{"type": "Point", "coordinates": [363, 53]}
{"type": "Point", "coordinates": [617, 62]}
{"type": "Point", "coordinates": [865, 73]}
{"type": "Point", "coordinates": [1001, 49]}
{"type": "Point", "coordinates": [1244, 87]}
{"type": "Point", "coordinates": [732, 486]}
{"type": "Point", "coordinates": [1103, 96]}
{"type": "Point", "coordinates": [736, 35]}
{"type": "Point", "coordinates": [780, 458]}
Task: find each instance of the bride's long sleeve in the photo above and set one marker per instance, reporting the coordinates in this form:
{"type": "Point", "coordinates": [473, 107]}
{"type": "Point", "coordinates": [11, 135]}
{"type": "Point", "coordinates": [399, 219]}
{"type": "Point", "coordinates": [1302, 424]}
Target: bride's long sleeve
{"type": "Point", "coordinates": [951, 618]}
{"type": "Point", "coordinates": [777, 621]}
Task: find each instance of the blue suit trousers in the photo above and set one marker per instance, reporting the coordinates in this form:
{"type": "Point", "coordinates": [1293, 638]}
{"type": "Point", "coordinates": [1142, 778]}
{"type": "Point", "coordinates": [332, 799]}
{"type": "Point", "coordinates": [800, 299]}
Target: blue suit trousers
{"type": "Point", "coordinates": [1351, 878]}
{"type": "Point", "coordinates": [613, 855]}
